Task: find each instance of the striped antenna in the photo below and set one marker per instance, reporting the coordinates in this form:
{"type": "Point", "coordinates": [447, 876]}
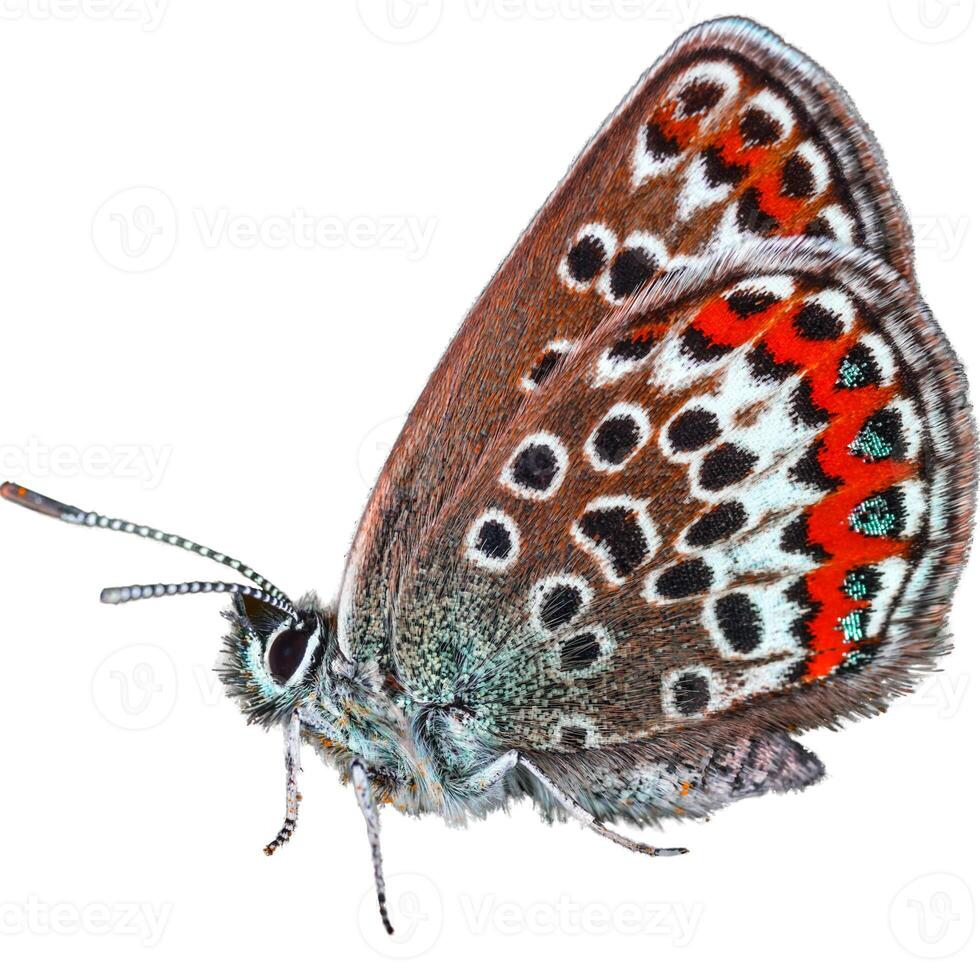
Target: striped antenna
{"type": "Point", "coordinates": [264, 589]}
{"type": "Point", "coordinates": [116, 595]}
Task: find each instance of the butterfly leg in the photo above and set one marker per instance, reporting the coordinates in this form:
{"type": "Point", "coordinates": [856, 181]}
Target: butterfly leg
{"type": "Point", "coordinates": [583, 816]}
{"type": "Point", "coordinates": [488, 777]}
{"type": "Point", "coordinates": [293, 795]}
{"type": "Point", "coordinates": [365, 799]}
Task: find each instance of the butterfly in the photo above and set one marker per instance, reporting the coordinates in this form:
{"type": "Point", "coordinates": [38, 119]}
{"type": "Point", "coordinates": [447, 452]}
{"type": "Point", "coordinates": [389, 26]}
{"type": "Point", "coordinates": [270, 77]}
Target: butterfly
{"type": "Point", "coordinates": [696, 473]}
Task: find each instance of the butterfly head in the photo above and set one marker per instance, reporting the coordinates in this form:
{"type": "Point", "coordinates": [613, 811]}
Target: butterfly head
{"type": "Point", "coordinates": [275, 661]}
{"type": "Point", "coordinates": [277, 654]}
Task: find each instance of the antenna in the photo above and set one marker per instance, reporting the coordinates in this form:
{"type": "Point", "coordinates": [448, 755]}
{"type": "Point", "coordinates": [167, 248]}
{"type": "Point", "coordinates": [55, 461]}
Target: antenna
{"type": "Point", "coordinates": [263, 589]}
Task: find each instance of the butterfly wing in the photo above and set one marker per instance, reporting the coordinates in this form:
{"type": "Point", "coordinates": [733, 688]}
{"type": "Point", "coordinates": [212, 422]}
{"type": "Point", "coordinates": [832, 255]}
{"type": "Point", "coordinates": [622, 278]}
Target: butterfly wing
{"type": "Point", "coordinates": [741, 505]}
{"type": "Point", "coordinates": [731, 137]}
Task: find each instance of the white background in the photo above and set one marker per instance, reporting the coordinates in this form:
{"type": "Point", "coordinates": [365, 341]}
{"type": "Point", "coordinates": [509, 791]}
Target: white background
{"type": "Point", "coordinates": [261, 375]}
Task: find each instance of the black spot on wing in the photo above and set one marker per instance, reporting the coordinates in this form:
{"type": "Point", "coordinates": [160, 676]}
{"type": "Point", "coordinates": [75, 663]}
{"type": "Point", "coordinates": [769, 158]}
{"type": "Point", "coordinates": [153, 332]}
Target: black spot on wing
{"type": "Point", "coordinates": [765, 367]}
{"type": "Point", "coordinates": [751, 217]}
{"type": "Point", "coordinates": [493, 539]}
{"type": "Point", "coordinates": [535, 467]}
{"type": "Point", "coordinates": [659, 145]}
{"type": "Point", "coordinates": [720, 523]}
{"type": "Point", "coordinates": [740, 621]}
{"type": "Point", "coordinates": [687, 578]}
{"type": "Point", "coordinates": [615, 438]}
{"type": "Point", "coordinates": [580, 652]}
{"type": "Point", "coordinates": [559, 606]}
{"type": "Point", "coordinates": [691, 693]}
{"type": "Point", "coordinates": [585, 258]}
{"type": "Point", "coordinates": [725, 465]}
{"type": "Point", "coordinates": [748, 302]}
{"type": "Point", "coordinates": [618, 532]}
{"type": "Point", "coordinates": [693, 429]}
{"type": "Point", "coordinates": [758, 128]}
{"type": "Point", "coordinates": [630, 271]}
{"type": "Point", "coordinates": [809, 470]}
{"type": "Point", "coordinates": [804, 409]}
{"type": "Point", "coordinates": [797, 178]}
{"type": "Point", "coordinates": [631, 349]}
{"type": "Point", "coordinates": [699, 347]}
{"type": "Point", "coordinates": [699, 96]}
{"type": "Point", "coordinates": [858, 368]}
{"type": "Point", "coordinates": [718, 171]}
{"type": "Point", "coordinates": [796, 540]}
{"type": "Point", "coordinates": [814, 321]}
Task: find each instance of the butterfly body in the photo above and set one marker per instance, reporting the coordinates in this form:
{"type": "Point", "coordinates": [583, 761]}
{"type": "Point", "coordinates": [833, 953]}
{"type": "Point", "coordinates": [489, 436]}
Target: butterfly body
{"type": "Point", "coordinates": [696, 474]}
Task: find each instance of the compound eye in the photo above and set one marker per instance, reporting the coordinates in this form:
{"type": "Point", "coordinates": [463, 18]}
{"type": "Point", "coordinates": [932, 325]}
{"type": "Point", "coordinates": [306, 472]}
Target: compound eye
{"type": "Point", "coordinates": [286, 655]}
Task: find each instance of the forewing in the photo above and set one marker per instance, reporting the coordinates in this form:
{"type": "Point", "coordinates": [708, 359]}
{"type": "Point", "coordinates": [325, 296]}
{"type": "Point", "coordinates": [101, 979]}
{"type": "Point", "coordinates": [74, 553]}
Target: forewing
{"type": "Point", "coordinates": [746, 497]}
{"type": "Point", "coordinates": [731, 137]}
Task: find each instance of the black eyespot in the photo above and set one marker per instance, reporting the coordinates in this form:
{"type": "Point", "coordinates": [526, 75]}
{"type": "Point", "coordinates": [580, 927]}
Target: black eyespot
{"type": "Point", "coordinates": [750, 215]}
{"type": "Point", "coordinates": [580, 652]}
{"type": "Point", "coordinates": [758, 128]}
{"type": "Point", "coordinates": [699, 96]}
{"type": "Point", "coordinates": [691, 693]}
{"type": "Point", "coordinates": [536, 467]}
{"type": "Point", "coordinates": [816, 322]}
{"type": "Point", "coordinates": [631, 348]}
{"type": "Point", "coordinates": [798, 178]}
{"type": "Point", "coordinates": [819, 228]}
{"type": "Point", "coordinates": [616, 438]}
{"type": "Point", "coordinates": [559, 606]}
{"type": "Point", "coordinates": [494, 539]}
{"type": "Point", "coordinates": [631, 268]}
{"type": "Point", "coordinates": [693, 429]}
{"type": "Point", "coordinates": [585, 258]}
{"type": "Point", "coordinates": [286, 654]}
{"type": "Point", "coordinates": [659, 145]}
{"type": "Point", "coordinates": [718, 171]}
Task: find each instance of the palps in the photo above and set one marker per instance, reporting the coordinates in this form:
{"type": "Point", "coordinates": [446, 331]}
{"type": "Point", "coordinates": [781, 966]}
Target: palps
{"type": "Point", "coordinates": [697, 471]}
